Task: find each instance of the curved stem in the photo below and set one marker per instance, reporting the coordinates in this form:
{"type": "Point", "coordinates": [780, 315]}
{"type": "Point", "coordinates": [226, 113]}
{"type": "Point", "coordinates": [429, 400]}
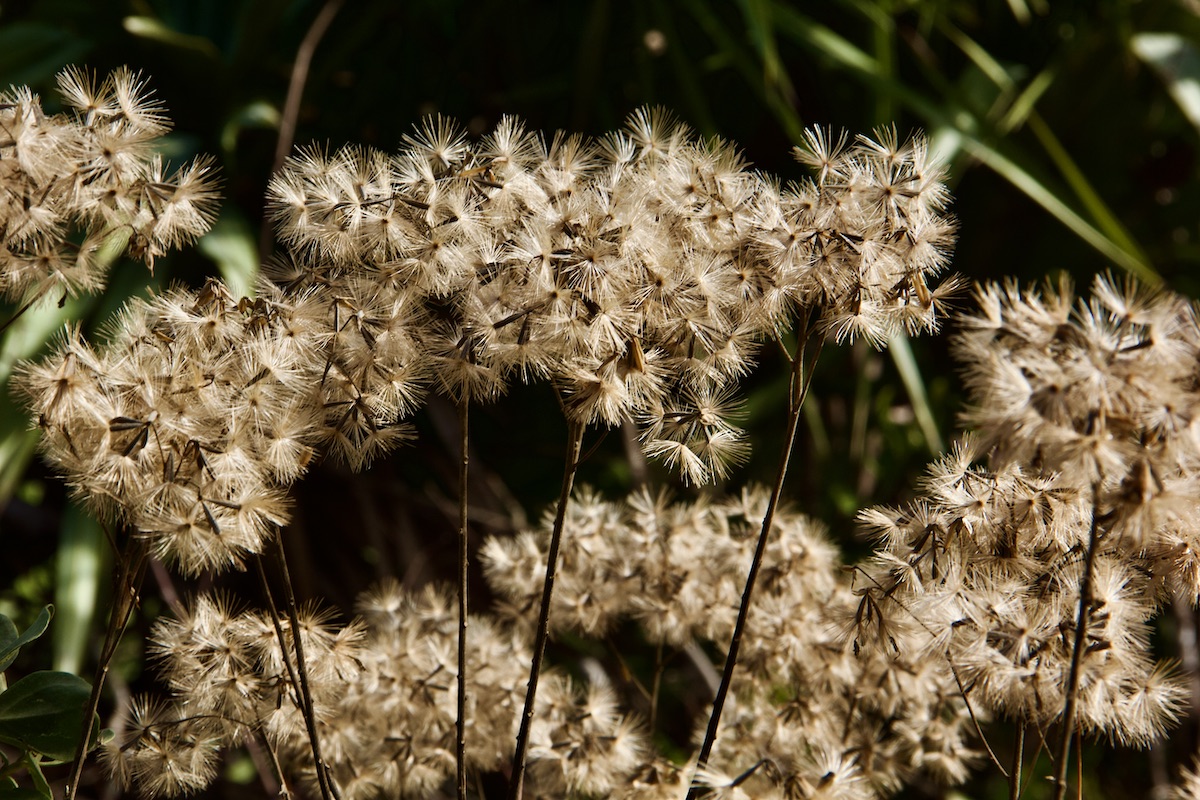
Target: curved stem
{"type": "Point", "coordinates": [460, 742]}
{"type": "Point", "coordinates": [291, 104]}
{"type": "Point", "coordinates": [574, 446]}
{"type": "Point", "coordinates": [801, 380]}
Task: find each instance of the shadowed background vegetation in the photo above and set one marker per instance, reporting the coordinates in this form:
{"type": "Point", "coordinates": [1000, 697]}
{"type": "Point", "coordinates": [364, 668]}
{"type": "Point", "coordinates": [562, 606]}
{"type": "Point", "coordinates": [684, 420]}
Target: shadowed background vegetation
{"type": "Point", "coordinates": [1070, 128]}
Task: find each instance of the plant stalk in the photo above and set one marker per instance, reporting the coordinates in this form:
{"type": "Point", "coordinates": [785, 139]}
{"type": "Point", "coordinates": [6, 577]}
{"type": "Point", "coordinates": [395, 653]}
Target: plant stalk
{"type": "Point", "coordinates": [1081, 623]}
{"type": "Point", "coordinates": [460, 741]}
{"type": "Point", "coordinates": [329, 790]}
{"type": "Point", "coordinates": [801, 380]}
{"type": "Point", "coordinates": [574, 446]}
{"type": "Point", "coordinates": [1014, 774]}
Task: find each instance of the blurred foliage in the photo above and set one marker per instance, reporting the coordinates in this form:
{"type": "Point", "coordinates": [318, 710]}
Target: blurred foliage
{"type": "Point", "coordinates": [1071, 130]}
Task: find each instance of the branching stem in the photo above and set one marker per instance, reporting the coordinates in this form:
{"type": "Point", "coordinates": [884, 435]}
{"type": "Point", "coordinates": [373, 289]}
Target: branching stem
{"type": "Point", "coordinates": [329, 789]}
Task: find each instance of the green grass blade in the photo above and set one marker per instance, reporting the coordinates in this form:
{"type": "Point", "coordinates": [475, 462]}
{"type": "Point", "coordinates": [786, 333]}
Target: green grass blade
{"type": "Point", "coordinates": [77, 569]}
{"type": "Point", "coordinates": [914, 383]}
{"type": "Point", "coordinates": [946, 113]}
{"type": "Point", "coordinates": [1101, 215]}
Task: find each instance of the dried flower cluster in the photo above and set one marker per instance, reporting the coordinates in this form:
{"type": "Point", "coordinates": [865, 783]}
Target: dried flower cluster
{"type": "Point", "coordinates": [74, 182]}
{"type": "Point", "coordinates": [637, 275]}
{"type": "Point", "coordinates": [1086, 412]}
{"type": "Point", "coordinates": [383, 692]}
{"type": "Point", "coordinates": [187, 425]}
{"type": "Point", "coordinates": [813, 717]}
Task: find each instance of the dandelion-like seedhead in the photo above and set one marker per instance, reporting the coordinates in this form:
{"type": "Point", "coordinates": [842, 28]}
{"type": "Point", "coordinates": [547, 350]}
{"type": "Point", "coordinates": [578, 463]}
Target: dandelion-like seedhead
{"type": "Point", "coordinates": [810, 712]}
{"type": "Point", "coordinates": [76, 182]}
{"type": "Point", "coordinates": [383, 695]}
{"type": "Point", "coordinates": [190, 421]}
{"type": "Point", "coordinates": [637, 273]}
{"type": "Point", "coordinates": [1084, 412]}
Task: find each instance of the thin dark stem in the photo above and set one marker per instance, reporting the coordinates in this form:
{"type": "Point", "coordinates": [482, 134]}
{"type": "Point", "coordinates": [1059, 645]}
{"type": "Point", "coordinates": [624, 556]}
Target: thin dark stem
{"type": "Point", "coordinates": [460, 742]}
{"type": "Point", "coordinates": [801, 380]}
{"type": "Point", "coordinates": [273, 611]}
{"type": "Point", "coordinates": [131, 570]}
{"type": "Point", "coordinates": [269, 775]}
{"type": "Point", "coordinates": [574, 446]}
{"type": "Point", "coordinates": [21, 311]}
{"type": "Point", "coordinates": [287, 659]}
{"type": "Point", "coordinates": [291, 104]}
{"type": "Point", "coordinates": [1014, 773]}
{"type": "Point", "coordinates": [329, 790]}
{"type": "Point", "coordinates": [1081, 625]}
{"type": "Point", "coordinates": [659, 666]}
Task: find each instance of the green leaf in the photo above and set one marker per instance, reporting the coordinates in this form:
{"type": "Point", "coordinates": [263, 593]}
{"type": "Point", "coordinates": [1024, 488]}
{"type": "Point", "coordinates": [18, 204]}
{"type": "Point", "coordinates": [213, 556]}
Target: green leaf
{"type": "Point", "coordinates": [11, 643]}
{"type": "Point", "coordinates": [21, 793]}
{"type": "Point", "coordinates": [44, 712]}
{"type": "Point", "coordinates": [158, 31]}
{"type": "Point", "coordinates": [231, 245]}
{"type": "Point", "coordinates": [944, 112]}
{"type": "Point", "coordinates": [259, 114]}
{"type": "Point", "coordinates": [78, 565]}
{"type": "Point", "coordinates": [31, 51]}
{"type": "Point", "coordinates": [40, 784]}
{"type": "Point", "coordinates": [1177, 62]}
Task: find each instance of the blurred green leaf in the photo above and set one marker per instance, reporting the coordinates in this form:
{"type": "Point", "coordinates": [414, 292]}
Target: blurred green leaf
{"type": "Point", "coordinates": [11, 643]}
{"type": "Point", "coordinates": [910, 373]}
{"type": "Point", "coordinates": [17, 444]}
{"type": "Point", "coordinates": [44, 712]}
{"type": "Point", "coordinates": [31, 51]}
{"type": "Point", "coordinates": [156, 30]}
{"type": "Point", "coordinates": [231, 245]}
{"type": "Point", "coordinates": [78, 563]}
{"type": "Point", "coordinates": [1177, 62]}
{"type": "Point", "coordinates": [259, 114]}
{"type": "Point", "coordinates": [1104, 218]}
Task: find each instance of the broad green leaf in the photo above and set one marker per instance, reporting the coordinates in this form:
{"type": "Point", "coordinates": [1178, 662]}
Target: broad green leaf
{"type": "Point", "coordinates": [44, 712]}
{"type": "Point", "coordinates": [10, 645]}
{"type": "Point", "coordinates": [21, 793]}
